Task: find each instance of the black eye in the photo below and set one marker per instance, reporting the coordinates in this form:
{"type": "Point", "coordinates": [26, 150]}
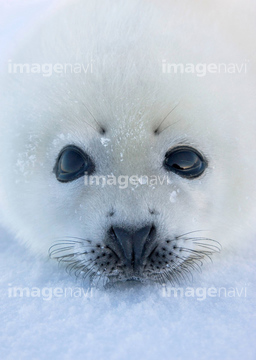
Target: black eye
{"type": "Point", "coordinates": [72, 163]}
{"type": "Point", "coordinates": [185, 161]}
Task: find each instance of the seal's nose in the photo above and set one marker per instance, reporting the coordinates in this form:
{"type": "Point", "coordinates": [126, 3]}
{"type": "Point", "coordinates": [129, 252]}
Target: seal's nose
{"type": "Point", "coordinates": [133, 242]}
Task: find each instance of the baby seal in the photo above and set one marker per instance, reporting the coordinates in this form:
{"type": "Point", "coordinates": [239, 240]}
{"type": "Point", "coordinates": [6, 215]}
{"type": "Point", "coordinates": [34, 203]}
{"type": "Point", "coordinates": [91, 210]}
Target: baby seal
{"type": "Point", "coordinates": [127, 142]}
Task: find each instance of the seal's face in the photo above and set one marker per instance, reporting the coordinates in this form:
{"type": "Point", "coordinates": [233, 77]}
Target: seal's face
{"type": "Point", "coordinates": [136, 215]}
{"type": "Point", "coordinates": [126, 171]}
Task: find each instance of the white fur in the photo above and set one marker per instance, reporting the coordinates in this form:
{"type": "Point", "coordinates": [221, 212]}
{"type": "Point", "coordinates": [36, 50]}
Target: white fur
{"type": "Point", "coordinates": [129, 95]}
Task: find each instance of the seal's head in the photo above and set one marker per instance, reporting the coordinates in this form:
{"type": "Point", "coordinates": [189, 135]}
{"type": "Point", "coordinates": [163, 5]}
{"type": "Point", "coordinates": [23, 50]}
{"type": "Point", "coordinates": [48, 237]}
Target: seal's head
{"type": "Point", "coordinates": [118, 167]}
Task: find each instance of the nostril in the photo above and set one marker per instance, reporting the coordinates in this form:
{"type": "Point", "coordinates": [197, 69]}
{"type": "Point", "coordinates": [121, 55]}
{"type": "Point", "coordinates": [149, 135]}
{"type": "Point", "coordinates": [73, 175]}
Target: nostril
{"type": "Point", "coordinates": [124, 238]}
{"type": "Point", "coordinates": [152, 230]}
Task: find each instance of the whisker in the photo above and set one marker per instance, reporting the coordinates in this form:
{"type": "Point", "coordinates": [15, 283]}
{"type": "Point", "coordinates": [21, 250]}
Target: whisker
{"type": "Point", "coordinates": [210, 247]}
{"type": "Point", "coordinates": [190, 232]}
{"type": "Point", "coordinates": [158, 127]}
{"type": "Point", "coordinates": [199, 255]}
{"type": "Point", "coordinates": [102, 130]}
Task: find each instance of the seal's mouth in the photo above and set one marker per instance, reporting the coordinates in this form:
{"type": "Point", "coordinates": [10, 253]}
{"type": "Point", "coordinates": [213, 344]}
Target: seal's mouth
{"type": "Point", "coordinates": [134, 279]}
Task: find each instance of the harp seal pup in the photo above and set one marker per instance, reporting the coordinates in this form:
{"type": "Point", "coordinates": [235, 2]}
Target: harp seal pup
{"type": "Point", "coordinates": [176, 149]}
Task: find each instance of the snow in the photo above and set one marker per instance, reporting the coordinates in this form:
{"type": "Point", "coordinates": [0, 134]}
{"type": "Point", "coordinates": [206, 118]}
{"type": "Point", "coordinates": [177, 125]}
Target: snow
{"type": "Point", "coordinates": [124, 323]}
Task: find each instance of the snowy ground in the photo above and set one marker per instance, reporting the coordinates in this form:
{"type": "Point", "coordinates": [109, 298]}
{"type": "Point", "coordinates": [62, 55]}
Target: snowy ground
{"type": "Point", "coordinates": [132, 323]}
